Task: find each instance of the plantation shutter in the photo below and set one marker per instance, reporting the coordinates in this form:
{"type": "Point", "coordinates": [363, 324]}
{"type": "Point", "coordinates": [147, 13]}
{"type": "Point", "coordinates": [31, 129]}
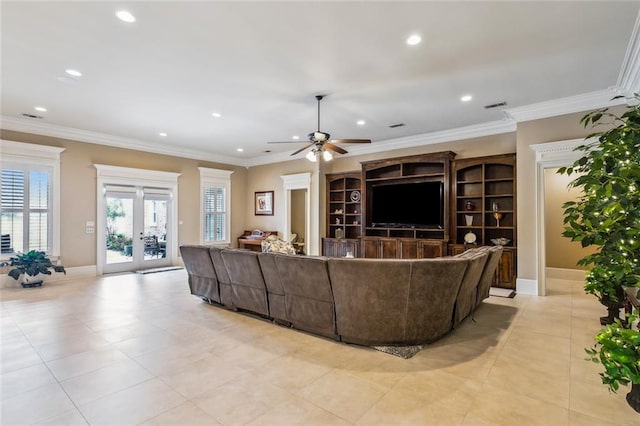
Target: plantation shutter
{"type": "Point", "coordinates": [25, 207]}
{"type": "Point", "coordinates": [214, 213]}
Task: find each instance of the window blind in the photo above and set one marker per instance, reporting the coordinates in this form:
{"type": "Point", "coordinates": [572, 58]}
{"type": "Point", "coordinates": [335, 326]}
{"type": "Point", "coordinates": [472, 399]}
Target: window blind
{"type": "Point", "coordinates": [214, 213]}
{"type": "Point", "coordinates": [25, 208]}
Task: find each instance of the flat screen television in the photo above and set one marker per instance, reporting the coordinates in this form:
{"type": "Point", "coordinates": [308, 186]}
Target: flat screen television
{"type": "Point", "coordinates": [410, 204]}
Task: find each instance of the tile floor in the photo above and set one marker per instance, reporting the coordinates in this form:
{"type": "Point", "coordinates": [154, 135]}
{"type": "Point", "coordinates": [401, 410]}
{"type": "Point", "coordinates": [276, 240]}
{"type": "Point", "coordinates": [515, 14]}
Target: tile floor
{"type": "Point", "coordinates": [139, 349]}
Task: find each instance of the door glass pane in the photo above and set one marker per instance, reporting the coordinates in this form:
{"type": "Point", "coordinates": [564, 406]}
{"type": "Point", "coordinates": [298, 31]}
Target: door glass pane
{"type": "Point", "coordinates": [155, 229]}
{"type": "Point", "coordinates": [119, 230]}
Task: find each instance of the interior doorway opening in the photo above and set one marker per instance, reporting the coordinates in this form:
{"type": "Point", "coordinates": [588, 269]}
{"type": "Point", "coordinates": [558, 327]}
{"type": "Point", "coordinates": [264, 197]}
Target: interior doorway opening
{"type": "Point", "coordinates": [298, 219]}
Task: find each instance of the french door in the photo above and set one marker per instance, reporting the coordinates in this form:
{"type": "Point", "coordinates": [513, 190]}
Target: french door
{"type": "Point", "coordinates": [137, 228]}
{"type": "Point", "coordinates": [136, 219]}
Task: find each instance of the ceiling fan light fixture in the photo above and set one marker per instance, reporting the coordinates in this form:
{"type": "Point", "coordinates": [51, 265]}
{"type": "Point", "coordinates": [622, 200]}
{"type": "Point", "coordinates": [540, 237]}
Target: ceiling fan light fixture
{"type": "Point", "coordinates": [311, 156]}
{"type": "Point", "coordinates": [326, 155]}
{"type": "Point", "coordinates": [319, 136]}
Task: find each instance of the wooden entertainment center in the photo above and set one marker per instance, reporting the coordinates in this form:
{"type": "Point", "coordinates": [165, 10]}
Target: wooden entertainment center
{"type": "Point", "coordinates": [479, 205]}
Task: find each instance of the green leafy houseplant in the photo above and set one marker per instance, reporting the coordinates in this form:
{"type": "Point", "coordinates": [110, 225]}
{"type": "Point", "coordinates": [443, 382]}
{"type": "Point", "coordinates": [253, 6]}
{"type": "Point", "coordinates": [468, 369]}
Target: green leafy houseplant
{"type": "Point", "coordinates": [607, 214]}
{"type": "Point", "coordinates": [32, 264]}
{"type": "Point", "coordinates": [617, 348]}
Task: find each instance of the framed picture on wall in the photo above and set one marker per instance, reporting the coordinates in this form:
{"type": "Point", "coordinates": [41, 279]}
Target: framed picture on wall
{"type": "Point", "coordinates": [264, 203]}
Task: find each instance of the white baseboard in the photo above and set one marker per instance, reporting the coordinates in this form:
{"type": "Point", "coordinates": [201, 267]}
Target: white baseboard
{"type": "Point", "coordinates": [524, 286]}
{"type": "Point", "coordinates": [74, 272]}
{"type": "Point", "coordinates": [566, 274]}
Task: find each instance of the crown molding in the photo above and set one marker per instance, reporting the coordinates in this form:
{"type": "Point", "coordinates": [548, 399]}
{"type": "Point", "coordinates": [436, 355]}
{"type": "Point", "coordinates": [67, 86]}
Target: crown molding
{"type": "Point", "coordinates": [272, 158]}
{"type": "Point", "coordinates": [457, 134]}
{"type": "Point", "coordinates": [568, 105]}
{"type": "Point", "coordinates": [629, 78]}
{"type": "Point", "coordinates": [63, 132]}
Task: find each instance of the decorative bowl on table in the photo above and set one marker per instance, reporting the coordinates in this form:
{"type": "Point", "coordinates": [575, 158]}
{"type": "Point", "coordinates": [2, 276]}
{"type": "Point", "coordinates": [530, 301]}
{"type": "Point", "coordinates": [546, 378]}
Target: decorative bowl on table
{"type": "Point", "coordinates": [500, 241]}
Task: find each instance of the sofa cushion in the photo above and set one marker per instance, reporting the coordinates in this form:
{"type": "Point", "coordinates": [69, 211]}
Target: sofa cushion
{"type": "Point", "coordinates": [307, 292]}
{"type": "Point", "coordinates": [275, 290]}
{"type": "Point", "coordinates": [223, 277]}
{"type": "Point", "coordinates": [495, 253]}
{"type": "Point", "coordinates": [466, 299]}
{"type": "Point", "coordinates": [273, 244]}
{"type": "Point", "coordinates": [248, 290]}
{"type": "Point", "coordinates": [370, 299]}
{"type": "Point", "coordinates": [203, 280]}
{"type": "Point", "coordinates": [434, 287]}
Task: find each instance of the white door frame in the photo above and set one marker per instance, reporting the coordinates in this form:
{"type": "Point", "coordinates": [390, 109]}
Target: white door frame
{"type": "Point", "coordinates": [549, 156]}
{"type": "Point", "coordinates": [115, 175]}
{"type": "Point", "coordinates": [311, 220]}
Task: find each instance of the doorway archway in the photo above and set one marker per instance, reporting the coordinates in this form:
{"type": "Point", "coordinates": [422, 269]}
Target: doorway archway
{"type": "Point", "coordinates": [312, 221]}
{"type": "Point", "coordinates": [548, 156]}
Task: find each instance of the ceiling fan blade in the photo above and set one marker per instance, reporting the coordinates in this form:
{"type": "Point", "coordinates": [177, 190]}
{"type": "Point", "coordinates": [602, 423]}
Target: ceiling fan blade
{"type": "Point", "coordinates": [350, 140]}
{"type": "Point", "coordinates": [302, 149]}
{"type": "Point", "coordinates": [334, 148]}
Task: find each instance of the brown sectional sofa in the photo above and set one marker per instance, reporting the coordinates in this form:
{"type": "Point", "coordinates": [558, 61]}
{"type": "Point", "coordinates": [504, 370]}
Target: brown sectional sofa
{"type": "Point", "coordinates": [387, 302]}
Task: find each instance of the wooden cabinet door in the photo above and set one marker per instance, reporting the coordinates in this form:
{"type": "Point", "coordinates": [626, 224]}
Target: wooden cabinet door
{"type": "Point", "coordinates": [408, 249]}
{"type": "Point", "coordinates": [389, 248]}
{"type": "Point", "coordinates": [370, 248]}
{"type": "Point", "coordinates": [431, 249]}
{"type": "Point", "coordinates": [455, 249]}
{"type": "Point", "coordinates": [333, 247]}
{"type": "Point", "coordinates": [505, 274]}
{"type": "Point", "coordinates": [352, 246]}
{"type": "Point", "coordinates": [328, 247]}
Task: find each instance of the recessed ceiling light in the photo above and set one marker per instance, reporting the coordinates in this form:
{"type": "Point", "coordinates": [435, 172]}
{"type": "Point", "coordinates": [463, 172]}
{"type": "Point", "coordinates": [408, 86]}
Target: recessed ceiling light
{"type": "Point", "coordinates": [240, 149]}
{"type": "Point", "coordinates": [162, 134]}
{"type": "Point", "coordinates": [361, 122]}
{"type": "Point", "coordinates": [466, 98]}
{"type": "Point", "coordinates": [74, 73]}
{"type": "Point", "coordinates": [216, 114]}
{"type": "Point", "coordinates": [414, 39]}
{"type": "Point", "coordinates": [125, 16]}
{"type": "Point", "coordinates": [41, 109]}
{"type": "Point", "coordinates": [295, 137]}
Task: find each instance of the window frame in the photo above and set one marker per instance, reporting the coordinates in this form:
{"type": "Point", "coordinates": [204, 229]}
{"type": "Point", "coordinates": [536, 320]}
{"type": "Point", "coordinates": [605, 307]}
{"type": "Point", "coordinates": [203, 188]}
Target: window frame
{"type": "Point", "coordinates": [220, 179]}
{"type": "Point", "coordinates": [37, 157]}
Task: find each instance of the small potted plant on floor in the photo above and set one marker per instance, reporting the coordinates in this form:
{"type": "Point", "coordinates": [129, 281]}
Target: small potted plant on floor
{"type": "Point", "coordinates": [29, 268]}
{"type": "Point", "coordinates": [617, 348]}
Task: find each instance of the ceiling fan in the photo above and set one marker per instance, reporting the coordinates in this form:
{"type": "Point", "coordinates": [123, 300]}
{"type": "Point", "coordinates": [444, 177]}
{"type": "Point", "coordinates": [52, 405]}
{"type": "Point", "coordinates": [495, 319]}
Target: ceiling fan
{"type": "Point", "coordinates": [321, 142]}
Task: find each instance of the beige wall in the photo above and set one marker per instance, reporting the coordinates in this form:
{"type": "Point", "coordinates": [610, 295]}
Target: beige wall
{"type": "Point", "coordinates": [560, 128]}
{"type": "Point", "coordinates": [298, 210]}
{"type": "Point", "coordinates": [267, 178]}
{"type": "Point", "coordinates": [79, 189]}
{"type": "Point", "coordinates": [561, 252]}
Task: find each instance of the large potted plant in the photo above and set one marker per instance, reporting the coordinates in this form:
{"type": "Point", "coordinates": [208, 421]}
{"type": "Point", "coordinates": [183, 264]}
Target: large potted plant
{"type": "Point", "coordinates": [29, 268]}
{"type": "Point", "coordinates": [607, 214]}
{"type": "Point", "coordinates": [617, 348]}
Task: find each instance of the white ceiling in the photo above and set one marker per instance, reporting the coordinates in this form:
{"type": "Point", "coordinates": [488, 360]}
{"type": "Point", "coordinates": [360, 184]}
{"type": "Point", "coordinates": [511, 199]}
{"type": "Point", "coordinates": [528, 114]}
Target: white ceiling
{"type": "Point", "coordinates": [260, 64]}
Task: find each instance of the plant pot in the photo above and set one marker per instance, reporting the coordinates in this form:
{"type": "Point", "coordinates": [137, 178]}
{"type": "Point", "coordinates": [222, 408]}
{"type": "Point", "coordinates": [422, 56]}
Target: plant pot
{"type": "Point", "coordinates": [29, 281]}
{"type": "Point", "coordinates": [633, 397]}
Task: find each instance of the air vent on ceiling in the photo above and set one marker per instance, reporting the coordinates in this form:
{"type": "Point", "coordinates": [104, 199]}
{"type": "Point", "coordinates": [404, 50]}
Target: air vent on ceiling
{"type": "Point", "coordinates": [24, 114]}
{"type": "Point", "coordinates": [393, 126]}
{"type": "Point", "coordinates": [499, 104]}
